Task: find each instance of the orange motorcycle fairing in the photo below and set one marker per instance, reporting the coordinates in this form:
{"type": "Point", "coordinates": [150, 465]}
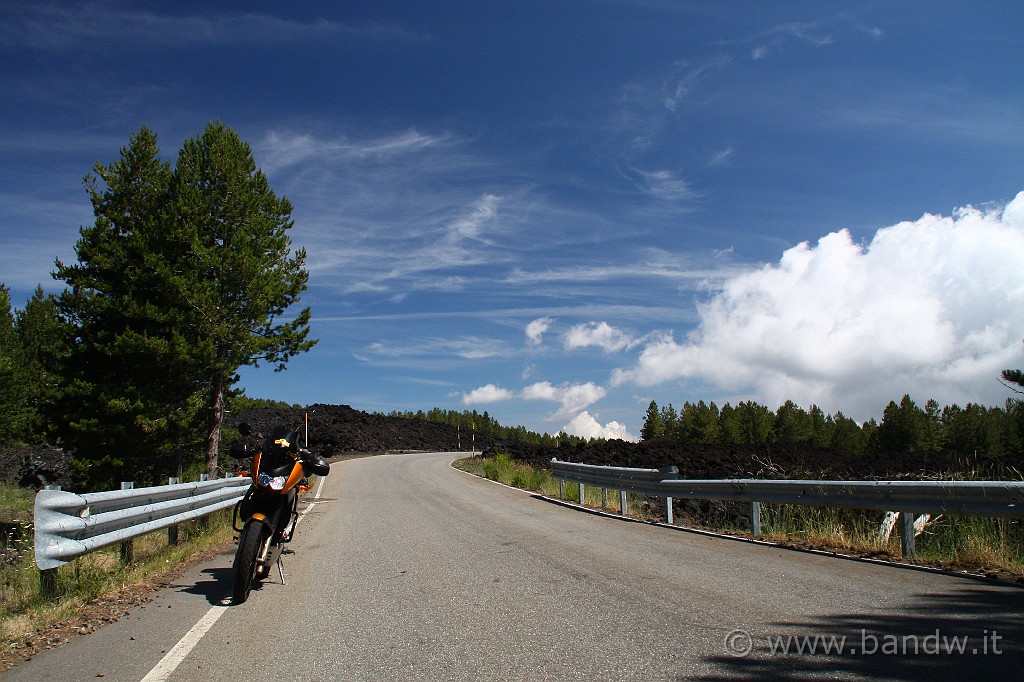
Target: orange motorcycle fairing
{"type": "Point", "coordinates": [294, 477]}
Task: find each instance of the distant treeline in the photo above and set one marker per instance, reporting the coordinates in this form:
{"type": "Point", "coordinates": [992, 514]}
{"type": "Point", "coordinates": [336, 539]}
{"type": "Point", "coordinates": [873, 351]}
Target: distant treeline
{"type": "Point", "coordinates": [473, 421]}
{"type": "Point", "coordinates": [905, 427]}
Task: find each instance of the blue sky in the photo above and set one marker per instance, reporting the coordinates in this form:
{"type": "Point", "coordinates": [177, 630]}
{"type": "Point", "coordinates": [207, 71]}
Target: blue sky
{"type": "Point", "coordinates": [557, 211]}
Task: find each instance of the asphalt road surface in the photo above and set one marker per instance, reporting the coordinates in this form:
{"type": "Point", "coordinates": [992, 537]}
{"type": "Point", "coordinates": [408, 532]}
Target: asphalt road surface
{"type": "Point", "coordinates": [407, 569]}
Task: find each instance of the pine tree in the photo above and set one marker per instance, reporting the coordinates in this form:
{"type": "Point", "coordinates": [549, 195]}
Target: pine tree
{"type": "Point", "coordinates": [14, 400]}
{"type": "Point", "coordinates": [792, 424]}
{"type": "Point", "coordinates": [129, 375]}
{"type": "Point", "coordinates": [180, 281]}
{"type": "Point", "coordinates": [1014, 376]}
{"type": "Point", "coordinates": [669, 421]}
{"type": "Point", "coordinates": [234, 269]}
{"type": "Point", "coordinates": [901, 428]}
{"type": "Point", "coordinates": [652, 427]}
{"type": "Point", "coordinates": [44, 342]}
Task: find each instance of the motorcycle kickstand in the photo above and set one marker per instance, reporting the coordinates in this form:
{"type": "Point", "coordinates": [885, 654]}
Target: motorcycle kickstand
{"type": "Point", "coordinates": [280, 569]}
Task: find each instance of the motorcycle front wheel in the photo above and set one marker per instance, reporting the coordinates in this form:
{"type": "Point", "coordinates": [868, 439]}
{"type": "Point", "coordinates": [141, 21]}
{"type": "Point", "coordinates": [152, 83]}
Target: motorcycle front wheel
{"type": "Point", "coordinates": [250, 545]}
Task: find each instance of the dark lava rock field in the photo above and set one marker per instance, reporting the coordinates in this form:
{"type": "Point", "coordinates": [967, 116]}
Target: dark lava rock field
{"type": "Point", "coordinates": [352, 431]}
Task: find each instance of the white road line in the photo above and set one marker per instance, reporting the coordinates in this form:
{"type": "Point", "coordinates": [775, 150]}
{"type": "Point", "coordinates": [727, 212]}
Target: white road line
{"type": "Point", "coordinates": [316, 496]}
{"type": "Point", "coordinates": [170, 662]}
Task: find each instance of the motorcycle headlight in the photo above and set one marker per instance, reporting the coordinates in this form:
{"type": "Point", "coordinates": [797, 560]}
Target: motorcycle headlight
{"type": "Point", "coordinates": [264, 480]}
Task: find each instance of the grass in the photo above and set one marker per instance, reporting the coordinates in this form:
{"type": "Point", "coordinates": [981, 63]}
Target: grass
{"type": "Point", "coordinates": [25, 611]}
{"type": "Point", "coordinates": [851, 531]}
{"type": "Point", "coordinates": [966, 543]}
{"type": "Point", "coordinates": [504, 469]}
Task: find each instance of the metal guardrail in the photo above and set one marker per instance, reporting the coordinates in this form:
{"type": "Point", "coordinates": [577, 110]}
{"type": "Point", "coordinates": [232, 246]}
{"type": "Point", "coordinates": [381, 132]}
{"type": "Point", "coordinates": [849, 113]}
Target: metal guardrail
{"type": "Point", "coordinates": [68, 525]}
{"type": "Point", "coordinates": [977, 498]}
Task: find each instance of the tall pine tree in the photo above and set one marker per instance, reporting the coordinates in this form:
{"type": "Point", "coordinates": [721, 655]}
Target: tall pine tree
{"type": "Point", "coordinates": [128, 373]}
{"type": "Point", "coordinates": [235, 270]}
{"type": "Point", "coordinates": [181, 280]}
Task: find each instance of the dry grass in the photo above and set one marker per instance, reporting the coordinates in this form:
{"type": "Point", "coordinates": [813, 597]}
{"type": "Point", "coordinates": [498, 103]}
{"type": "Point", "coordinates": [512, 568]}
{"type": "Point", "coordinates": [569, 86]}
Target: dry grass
{"type": "Point", "coordinates": [974, 544]}
{"type": "Point", "coordinates": [25, 611]}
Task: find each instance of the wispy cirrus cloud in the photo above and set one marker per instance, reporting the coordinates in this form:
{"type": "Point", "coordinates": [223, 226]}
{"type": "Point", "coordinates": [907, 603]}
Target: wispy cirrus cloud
{"type": "Point", "coordinates": [435, 349]}
{"type": "Point", "coordinates": [648, 264]}
{"type": "Point", "coordinates": [665, 185]}
{"type": "Point", "coordinates": [393, 213]}
{"type": "Point", "coordinates": [807, 33]}
{"type": "Point", "coordinates": [472, 224]}
{"type": "Point", "coordinates": [721, 157]}
{"type": "Point", "coordinates": [282, 149]}
{"type": "Point", "coordinates": [52, 26]}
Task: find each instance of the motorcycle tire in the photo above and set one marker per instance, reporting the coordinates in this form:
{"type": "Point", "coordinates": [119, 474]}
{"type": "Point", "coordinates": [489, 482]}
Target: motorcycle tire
{"type": "Point", "coordinates": [254, 536]}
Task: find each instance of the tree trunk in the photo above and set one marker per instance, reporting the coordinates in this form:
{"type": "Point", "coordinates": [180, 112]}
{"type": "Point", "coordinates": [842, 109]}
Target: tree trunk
{"type": "Point", "coordinates": [213, 437]}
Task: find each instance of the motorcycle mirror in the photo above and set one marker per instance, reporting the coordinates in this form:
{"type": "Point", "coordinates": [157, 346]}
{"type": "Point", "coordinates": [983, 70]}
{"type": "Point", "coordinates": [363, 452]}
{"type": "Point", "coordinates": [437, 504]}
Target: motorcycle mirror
{"type": "Point", "coordinates": [327, 452]}
{"type": "Point", "coordinates": [244, 429]}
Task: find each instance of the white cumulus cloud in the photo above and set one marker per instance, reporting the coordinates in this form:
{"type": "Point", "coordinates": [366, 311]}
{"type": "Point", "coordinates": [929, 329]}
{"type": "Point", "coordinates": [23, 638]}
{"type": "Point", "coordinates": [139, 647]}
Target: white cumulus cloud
{"type": "Point", "coordinates": [930, 307]}
{"type": "Point", "coordinates": [586, 426]}
{"type": "Point", "coordinates": [572, 398]}
{"type": "Point", "coordinates": [535, 330]}
{"type": "Point", "coordinates": [486, 394]}
{"type": "Point", "coordinates": [600, 334]}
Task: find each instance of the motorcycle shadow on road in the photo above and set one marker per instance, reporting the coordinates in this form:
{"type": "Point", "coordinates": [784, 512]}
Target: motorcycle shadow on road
{"type": "Point", "coordinates": [217, 589]}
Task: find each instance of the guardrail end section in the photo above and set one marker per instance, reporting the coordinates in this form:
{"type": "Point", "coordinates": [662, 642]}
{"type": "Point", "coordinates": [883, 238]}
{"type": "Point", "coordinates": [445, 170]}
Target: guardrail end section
{"type": "Point", "coordinates": [668, 473]}
{"type": "Point", "coordinates": [50, 507]}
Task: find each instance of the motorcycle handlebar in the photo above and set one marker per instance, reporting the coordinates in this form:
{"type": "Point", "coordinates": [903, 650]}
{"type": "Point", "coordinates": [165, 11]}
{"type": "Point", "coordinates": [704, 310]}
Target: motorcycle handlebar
{"type": "Point", "coordinates": [242, 450]}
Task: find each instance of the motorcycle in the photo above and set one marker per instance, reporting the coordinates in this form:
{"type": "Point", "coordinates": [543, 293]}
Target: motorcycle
{"type": "Point", "coordinates": [268, 511]}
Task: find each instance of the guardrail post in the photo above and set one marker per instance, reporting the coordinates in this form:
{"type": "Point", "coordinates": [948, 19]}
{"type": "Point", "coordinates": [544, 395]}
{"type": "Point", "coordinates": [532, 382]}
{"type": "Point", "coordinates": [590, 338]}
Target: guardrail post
{"type": "Point", "coordinates": [127, 546]}
{"type": "Point", "coordinates": [172, 531]}
{"type": "Point", "coordinates": [204, 521]}
{"type": "Point", "coordinates": [561, 489]}
{"type": "Point", "coordinates": [581, 493]}
{"type": "Point", "coordinates": [48, 583]}
{"type": "Point", "coordinates": [906, 524]}
{"type": "Point", "coordinates": [604, 498]}
{"type": "Point", "coordinates": [622, 502]}
{"type": "Point", "coordinates": [755, 518]}
{"type": "Point", "coordinates": [668, 510]}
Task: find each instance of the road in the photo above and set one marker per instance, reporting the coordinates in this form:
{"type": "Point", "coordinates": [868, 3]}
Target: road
{"type": "Point", "coordinates": [410, 570]}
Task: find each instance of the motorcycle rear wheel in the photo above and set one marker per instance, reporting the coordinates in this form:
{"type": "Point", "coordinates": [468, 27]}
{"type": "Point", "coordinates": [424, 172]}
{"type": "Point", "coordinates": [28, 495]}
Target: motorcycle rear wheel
{"type": "Point", "coordinates": [253, 538]}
